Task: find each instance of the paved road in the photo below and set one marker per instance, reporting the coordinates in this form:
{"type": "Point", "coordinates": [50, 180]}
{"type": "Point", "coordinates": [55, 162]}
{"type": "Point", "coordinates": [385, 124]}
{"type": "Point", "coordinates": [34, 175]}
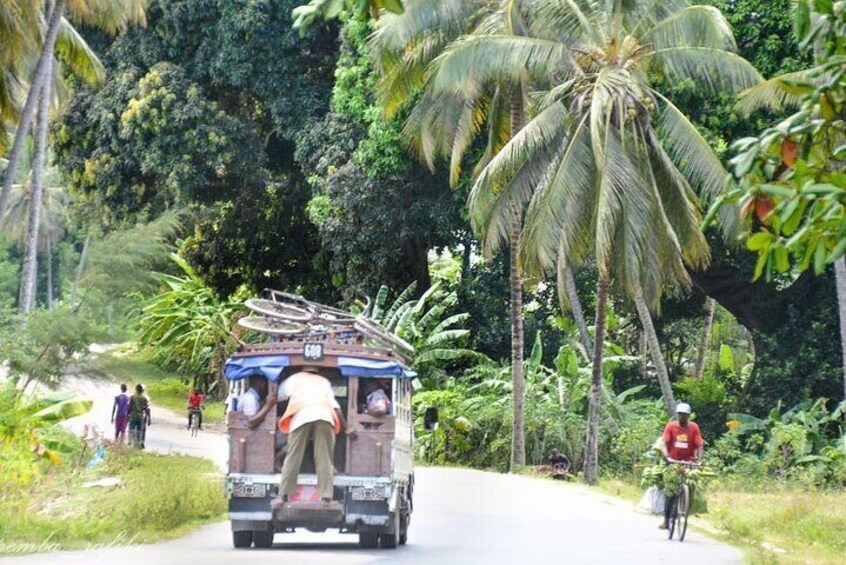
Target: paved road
{"type": "Point", "coordinates": [461, 516]}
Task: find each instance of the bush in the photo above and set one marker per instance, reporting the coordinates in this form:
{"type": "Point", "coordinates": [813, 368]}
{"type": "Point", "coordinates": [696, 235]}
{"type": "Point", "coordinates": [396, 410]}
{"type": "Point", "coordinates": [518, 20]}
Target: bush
{"type": "Point", "coordinates": [158, 501]}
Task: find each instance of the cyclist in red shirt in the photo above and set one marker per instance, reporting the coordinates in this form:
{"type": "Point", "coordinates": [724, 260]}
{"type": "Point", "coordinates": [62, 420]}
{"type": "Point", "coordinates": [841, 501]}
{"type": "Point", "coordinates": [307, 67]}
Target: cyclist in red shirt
{"type": "Point", "coordinates": [195, 404]}
{"type": "Point", "coordinates": [682, 442]}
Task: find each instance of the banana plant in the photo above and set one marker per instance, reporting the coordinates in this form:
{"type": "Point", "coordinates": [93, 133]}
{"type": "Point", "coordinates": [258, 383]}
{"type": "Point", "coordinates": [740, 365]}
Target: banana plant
{"type": "Point", "coordinates": [187, 326]}
{"type": "Point", "coordinates": [425, 323]}
{"type": "Point", "coordinates": [29, 424]}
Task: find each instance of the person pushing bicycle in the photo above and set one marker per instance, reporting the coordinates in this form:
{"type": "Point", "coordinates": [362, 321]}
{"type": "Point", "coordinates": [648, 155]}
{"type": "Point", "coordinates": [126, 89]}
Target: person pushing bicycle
{"type": "Point", "coordinates": [682, 442]}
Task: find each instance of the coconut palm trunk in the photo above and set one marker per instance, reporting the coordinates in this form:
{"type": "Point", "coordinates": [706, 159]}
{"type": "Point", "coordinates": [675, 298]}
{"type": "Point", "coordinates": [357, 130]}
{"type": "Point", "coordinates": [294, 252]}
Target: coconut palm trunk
{"type": "Point", "coordinates": [704, 338]}
{"type": "Point", "coordinates": [655, 351]}
{"type": "Point", "coordinates": [840, 279]}
{"type": "Point", "coordinates": [518, 440]}
{"type": "Point", "coordinates": [569, 282]}
{"type": "Point", "coordinates": [80, 268]}
{"type": "Point", "coordinates": [48, 255]}
{"type": "Point", "coordinates": [29, 272]}
{"type": "Point", "coordinates": [40, 78]}
{"type": "Point", "coordinates": [592, 451]}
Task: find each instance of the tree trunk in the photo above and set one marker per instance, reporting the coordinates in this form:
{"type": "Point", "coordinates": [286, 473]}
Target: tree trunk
{"type": "Point", "coordinates": [592, 449]}
{"type": "Point", "coordinates": [655, 351]}
{"type": "Point", "coordinates": [80, 268]}
{"type": "Point", "coordinates": [840, 280]}
{"type": "Point", "coordinates": [518, 442]}
{"type": "Point", "coordinates": [29, 272]}
{"type": "Point", "coordinates": [568, 281]}
{"type": "Point", "coordinates": [40, 77]}
{"type": "Point", "coordinates": [704, 338]}
{"type": "Point", "coordinates": [48, 252]}
{"type": "Point", "coordinates": [642, 351]}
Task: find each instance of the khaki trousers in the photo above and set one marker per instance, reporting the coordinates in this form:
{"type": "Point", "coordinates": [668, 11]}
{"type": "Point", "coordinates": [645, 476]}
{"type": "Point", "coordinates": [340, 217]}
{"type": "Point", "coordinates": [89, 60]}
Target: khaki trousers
{"type": "Point", "coordinates": [323, 434]}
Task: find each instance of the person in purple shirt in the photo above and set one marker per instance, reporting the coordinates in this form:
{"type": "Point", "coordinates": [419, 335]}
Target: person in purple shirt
{"type": "Point", "coordinates": [120, 414]}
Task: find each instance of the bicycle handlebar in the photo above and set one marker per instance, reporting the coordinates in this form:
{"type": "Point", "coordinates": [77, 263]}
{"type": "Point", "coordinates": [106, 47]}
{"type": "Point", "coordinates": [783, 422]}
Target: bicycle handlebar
{"type": "Point", "coordinates": [685, 463]}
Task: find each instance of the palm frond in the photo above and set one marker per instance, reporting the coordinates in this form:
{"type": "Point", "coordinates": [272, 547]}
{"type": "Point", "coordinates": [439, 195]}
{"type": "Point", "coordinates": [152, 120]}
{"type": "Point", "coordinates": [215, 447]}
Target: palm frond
{"type": "Point", "coordinates": [500, 186]}
{"type": "Point", "coordinates": [779, 93]}
{"type": "Point", "coordinates": [562, 210]}
{"type": "Point", "coordinates": [715, 69]}
{"type": "Point", "coordinates": [695, 26]}
{"type": "Point", "coordinates": [111, 16]}
{"type": "Point", "coordinates": [568, 21]}
{"type": "Point", "coordinates": [75, 52]}
{"type": "Point", "coordinates": [475, 61]}
{"type": "Point", "coordinates": [695, 159]}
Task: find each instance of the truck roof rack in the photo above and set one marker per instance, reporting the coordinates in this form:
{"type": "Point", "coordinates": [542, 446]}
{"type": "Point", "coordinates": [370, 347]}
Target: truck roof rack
{"type": "Point", "coordinates": [290, 318]}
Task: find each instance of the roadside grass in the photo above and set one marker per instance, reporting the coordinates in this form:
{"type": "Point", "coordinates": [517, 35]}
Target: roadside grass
{"type": "Point", "coordinates": [161, 497]}
{"type": "Point", "coordinates": [773, 524]}
{"type": "Point", "coordinates": [127, 365]}
{"type": "Point", "coordinates": [810, 527]}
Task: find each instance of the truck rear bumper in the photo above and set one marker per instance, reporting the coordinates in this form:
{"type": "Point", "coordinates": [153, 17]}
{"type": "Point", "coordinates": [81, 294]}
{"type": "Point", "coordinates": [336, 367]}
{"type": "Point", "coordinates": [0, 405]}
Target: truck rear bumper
{"type": "Point", "coordinates": [367, 503]}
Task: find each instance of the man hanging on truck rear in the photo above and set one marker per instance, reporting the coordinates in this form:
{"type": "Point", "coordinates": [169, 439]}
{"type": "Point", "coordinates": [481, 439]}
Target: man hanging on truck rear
{"type": "Point", "coordinates": [312, 413]}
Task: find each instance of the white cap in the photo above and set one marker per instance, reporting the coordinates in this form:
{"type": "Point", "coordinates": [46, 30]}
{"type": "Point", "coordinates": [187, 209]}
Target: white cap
{"type": "Point", "coordinates": [682, 408]}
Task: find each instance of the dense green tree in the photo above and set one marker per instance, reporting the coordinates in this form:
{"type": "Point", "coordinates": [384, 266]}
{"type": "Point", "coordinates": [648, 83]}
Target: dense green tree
{"type": "Point", "coordinates": [246, 57]}
{"type": "Point", "coordinates": [153, 141]}
{"type": "Point", "coordinates": [378, 211]}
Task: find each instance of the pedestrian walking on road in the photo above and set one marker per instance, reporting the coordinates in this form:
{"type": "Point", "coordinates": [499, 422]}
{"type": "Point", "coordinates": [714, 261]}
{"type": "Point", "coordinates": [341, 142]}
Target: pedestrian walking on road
{"type": "Point", "coordinates": [120, 414]}
{"type": "Point", "coordinates": [139, 417]}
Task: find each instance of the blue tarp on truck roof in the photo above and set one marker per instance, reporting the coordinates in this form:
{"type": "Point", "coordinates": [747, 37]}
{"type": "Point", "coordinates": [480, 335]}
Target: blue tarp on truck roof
{"type": "Point", "coordinates": [271, 367]}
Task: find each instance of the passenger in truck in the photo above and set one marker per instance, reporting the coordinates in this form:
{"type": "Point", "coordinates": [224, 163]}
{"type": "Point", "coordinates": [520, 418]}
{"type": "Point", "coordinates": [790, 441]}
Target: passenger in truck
{"type": "Point", "coordinates": [378, 397]}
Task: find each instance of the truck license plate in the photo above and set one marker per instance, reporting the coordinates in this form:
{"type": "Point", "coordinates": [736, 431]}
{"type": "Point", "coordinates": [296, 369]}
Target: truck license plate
{"type": "Point", "coordinates": [243, 490]}
{"type": "Point", "coordinates": [364, 493]}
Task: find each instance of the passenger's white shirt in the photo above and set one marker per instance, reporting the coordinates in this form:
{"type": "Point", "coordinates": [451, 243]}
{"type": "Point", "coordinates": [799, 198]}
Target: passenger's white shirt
{"type": "Point", "coordinates": [308, 414]}
{"type": "Point", "coordinates": [249, 403]}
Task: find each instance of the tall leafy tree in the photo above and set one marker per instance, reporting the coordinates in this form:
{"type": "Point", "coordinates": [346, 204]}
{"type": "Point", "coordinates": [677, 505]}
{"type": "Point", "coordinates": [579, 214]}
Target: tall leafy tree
{"type": "Point", "coordinates": [792, 183]}
{"type": "Point", "coordinates": [626, 164]}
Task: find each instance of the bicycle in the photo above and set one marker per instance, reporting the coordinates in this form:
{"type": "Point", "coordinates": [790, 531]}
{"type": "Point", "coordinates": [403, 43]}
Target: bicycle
{"type": "Point", "coordinates": [194, 426]}
{"type": "Point", "coordinates": [680, 503]}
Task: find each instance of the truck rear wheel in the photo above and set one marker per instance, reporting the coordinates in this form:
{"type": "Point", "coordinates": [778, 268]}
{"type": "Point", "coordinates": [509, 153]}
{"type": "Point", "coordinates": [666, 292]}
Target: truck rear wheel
{"type": "Point", "coordinates": [403, 537]}
{"type": "Point", "coordinates": [392, 539]}
{"type": "Point", "coordinates": [368, 540]}
{"type": "Point", "coordinates": [242, 539]}
{"type": "Point", "coordinates": [263, 538]}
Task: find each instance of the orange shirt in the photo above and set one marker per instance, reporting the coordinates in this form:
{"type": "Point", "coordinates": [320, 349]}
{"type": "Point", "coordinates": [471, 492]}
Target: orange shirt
{"type": "Point", "coordinates": [682, 441]}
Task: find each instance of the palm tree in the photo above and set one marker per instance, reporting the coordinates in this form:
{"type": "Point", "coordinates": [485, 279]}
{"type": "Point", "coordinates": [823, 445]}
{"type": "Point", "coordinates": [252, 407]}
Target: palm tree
{"type": "Point", "coordinates": [628, 165]}
{"type": "Point", "coordinates": [26, 302]}
{"type": "Point", "coordinates": [18, 30]}
{"type": "Point", "coordinates": [445, 126]}
{"type": "Point", "coordinates": [53, 222]}
{"type": "Point", "coordinates": [110, 15]}
{"type": "Point", "coordinates": [59, 37]}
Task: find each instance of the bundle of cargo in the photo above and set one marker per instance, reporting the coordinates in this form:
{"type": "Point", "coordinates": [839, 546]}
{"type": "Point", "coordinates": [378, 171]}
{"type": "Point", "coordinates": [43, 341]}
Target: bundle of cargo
{"type": "Point", "coordinates": [291, 318]}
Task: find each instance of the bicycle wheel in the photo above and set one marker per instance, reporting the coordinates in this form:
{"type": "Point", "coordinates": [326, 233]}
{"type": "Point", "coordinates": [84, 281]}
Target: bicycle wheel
{"type": "Point", "coordinates": [685, 499]}
{"type": "Point", "coordinates": [281, 310]}
{"type": "Point", "coordinates": [276, 326]}
{"type": "Point", "coordinates": [674, 514]}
